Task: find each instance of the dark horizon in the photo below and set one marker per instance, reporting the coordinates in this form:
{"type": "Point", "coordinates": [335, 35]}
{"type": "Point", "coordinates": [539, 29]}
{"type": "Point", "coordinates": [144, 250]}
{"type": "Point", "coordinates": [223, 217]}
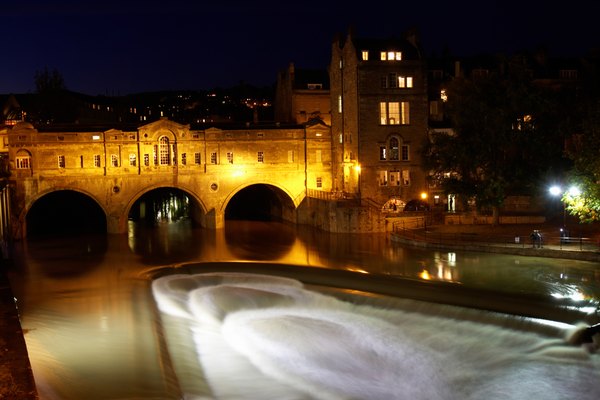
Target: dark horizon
{"type": "Point", "coordinates": [133, 46]}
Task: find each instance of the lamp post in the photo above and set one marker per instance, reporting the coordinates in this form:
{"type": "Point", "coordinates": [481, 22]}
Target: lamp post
{"type": "Point", "coordinates": [573, 191]}
{"type": "Point", "coordinates": [556, 191]}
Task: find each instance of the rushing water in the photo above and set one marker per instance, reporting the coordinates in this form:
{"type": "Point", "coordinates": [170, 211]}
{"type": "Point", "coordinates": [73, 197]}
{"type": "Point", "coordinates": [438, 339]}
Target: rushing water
{"type": "Point", "coordinates": [97, 327]}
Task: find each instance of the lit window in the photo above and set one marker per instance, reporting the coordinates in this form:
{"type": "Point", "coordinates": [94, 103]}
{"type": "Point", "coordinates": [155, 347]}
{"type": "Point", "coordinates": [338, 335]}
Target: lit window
{"type": "Point", "coordinates": [213, 158]}
{"type": "Point", "coordinates": [164, 151]}
{"type": "Point", "coordinates": [391, 55]}
{"type": "Point", "coordinates": [114, 160]}
{"type": "Point", "coordinates": [406, 177]}
{"type": "Point", "coordinates": [394, 113]}
{"type": "Point", "coordinates": [132, 160]}
{"type": "Point", "coordinates": [260, 157]}
{"type": "Point", "coordinates": [340, 104]}
{"type": "Point", "coordinates": [443, 95]}
{"type": "Point", "coordinates": [97, 161]}
{"type": "Point", "coordinates": [230, 157]}
{"type": "Point", "coordinates": [382, 153]}
{"type": "Point", "coordinates": [365, 55]}
{"type": "Point", "coordinates": [394, 178]}
{"type": "Point", "coordinates": [23, 162]}
{"type": "Point", "coordinates": [383, 178]}
{"type": "Point", "coordinates": [61, 162]}
{"type": "Point", "coordinates": [147, 160]}
{"type": "Point", "coordinates": [197, 158]}
{"type": "Point", "coordinates": [405, 81]}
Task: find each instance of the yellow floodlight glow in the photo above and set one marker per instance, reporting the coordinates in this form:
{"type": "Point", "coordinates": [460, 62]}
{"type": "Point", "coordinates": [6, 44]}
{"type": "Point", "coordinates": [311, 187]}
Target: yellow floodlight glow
{"type": "Point", "coordinates": [239, 172]}
{"type": "Point", "coordinates": [423, 195]}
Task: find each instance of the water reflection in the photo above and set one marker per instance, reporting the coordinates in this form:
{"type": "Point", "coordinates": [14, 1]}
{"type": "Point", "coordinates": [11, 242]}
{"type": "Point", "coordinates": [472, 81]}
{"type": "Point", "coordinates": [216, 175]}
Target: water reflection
{"type": "Point", "coordinates": [69, 255]}
{"type": "Point", "coordinates": [92, 328]}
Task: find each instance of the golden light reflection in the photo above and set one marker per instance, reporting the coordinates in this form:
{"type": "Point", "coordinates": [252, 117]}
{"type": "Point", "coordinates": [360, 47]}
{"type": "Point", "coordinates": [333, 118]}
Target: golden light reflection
{"type": "Point", "coordinates": [356, 269]}
{"type": "Point", "coordinates": [425, 275]}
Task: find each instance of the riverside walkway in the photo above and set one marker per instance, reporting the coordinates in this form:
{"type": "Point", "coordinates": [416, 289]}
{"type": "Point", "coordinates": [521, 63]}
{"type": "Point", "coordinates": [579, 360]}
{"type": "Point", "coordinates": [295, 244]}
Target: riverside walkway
{"type": "Point", "coordinates": [583, 243]}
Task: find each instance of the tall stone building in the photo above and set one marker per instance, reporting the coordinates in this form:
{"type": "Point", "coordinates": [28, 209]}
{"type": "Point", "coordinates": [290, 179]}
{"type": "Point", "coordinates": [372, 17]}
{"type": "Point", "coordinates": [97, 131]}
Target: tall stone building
{"type": "Point", "coordinates": [379, 118]}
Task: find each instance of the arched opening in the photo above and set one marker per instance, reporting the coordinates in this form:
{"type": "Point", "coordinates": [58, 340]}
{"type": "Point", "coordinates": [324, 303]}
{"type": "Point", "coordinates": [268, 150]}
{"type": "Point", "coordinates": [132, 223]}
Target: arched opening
{"type": "Point", "coordinates": [65, 212]}
{"type": "Point", "coordinates": [163, 205]}
{"type": "Point", "coordinates": [260, 203]}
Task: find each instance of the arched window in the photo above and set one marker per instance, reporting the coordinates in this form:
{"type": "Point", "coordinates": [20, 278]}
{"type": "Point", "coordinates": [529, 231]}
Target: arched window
{"type": "Point", "coordinates": [164, 151]}
{"type": "Point", "coordinates": [23, 160]}
{"type": "Point", "coordinates": [394, 146]}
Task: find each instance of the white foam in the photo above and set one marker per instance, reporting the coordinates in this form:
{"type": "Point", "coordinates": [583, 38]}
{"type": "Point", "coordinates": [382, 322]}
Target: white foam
{"type": "Point", "coordinates": [263, 337]}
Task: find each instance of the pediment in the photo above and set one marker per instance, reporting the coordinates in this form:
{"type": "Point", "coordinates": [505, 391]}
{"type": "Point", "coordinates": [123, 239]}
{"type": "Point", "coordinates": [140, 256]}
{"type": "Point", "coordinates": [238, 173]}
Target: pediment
{"type": "Point", "coordinates": [163, 127]}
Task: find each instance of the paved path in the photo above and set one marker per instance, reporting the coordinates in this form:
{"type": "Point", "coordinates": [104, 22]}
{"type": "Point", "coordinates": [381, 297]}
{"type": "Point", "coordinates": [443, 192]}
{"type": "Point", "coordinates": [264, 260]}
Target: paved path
{"type": "Point", "coordinates": [16, 376]}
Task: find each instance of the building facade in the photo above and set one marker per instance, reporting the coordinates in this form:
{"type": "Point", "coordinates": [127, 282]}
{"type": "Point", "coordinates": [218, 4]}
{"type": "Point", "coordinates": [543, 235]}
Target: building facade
{"type": "Point", "coordinates": [115, 167]}
{"type": "Point", "coordinates": [379, 119]}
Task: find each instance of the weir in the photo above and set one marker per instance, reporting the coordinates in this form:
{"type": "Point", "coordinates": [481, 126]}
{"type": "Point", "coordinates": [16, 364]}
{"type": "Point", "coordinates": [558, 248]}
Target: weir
{"type": "Point", "coordinates": [94, 328]}
{"type": "Point", "coordinates": [258, 334]}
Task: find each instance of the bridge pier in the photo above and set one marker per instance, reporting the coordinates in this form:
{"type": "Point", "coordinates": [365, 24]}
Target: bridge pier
{"type": "Point", "coordinates": [114, 225]}
{"type": "Point", "coordinates": [214, 219]}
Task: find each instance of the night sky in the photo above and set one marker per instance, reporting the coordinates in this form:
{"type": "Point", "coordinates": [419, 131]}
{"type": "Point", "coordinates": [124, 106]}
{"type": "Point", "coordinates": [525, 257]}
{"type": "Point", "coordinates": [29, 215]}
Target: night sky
{"type": "Point", "coordinates": [114, 47]}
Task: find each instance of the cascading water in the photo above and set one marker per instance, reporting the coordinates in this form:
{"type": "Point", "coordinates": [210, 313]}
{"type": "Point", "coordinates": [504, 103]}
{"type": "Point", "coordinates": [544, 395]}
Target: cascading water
{"type": "Point", "coordinates": [94, 332]}
{"type": "Point", "coordinates": [260, 336]}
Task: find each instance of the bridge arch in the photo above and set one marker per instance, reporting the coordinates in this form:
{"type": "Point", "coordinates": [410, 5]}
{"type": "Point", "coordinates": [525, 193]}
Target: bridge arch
{"type": "Point", "coordinates": [63, 210]}
{"type": "Point", "coordinates": [197, 213]}
{"type": "Point", "coordinates": [259, 196]}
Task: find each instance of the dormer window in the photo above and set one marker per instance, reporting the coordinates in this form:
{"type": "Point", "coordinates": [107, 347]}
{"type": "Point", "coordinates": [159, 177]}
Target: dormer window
{"type": "Point", "coordinates": [315, 86]}
{"type": "Point", "coordinates": [391, 55]}
{"type": "Point", "coordinates": [365, 55]}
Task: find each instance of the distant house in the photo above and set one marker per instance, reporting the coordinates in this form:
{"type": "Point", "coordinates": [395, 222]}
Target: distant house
{"type": "Point", "coordinates": [302, 95]}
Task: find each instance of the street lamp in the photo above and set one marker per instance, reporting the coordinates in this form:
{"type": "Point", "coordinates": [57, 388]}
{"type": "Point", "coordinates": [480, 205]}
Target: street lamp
{"type": "Point", "coordinates": [573, 191]}
{"type": "Point", "coordinates": [557, 191]}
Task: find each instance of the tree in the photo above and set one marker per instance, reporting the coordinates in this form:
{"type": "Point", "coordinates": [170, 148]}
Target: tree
{"type": "Point", "coordinates": [49, 81]}
{"type": "Point", "coordinates": [583, 149]}
{"type": "Point", "coordinates": [502, 140]}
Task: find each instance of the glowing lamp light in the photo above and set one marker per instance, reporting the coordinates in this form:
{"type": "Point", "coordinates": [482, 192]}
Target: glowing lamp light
{"type": "Point", "coordinates": [357, 168]}
{"type": "Point", "coordinates": [424, 195]}
{"type": "Point", "coordinates": [555, 190]}
{"type": "Point", "coordinates": [574, 191]}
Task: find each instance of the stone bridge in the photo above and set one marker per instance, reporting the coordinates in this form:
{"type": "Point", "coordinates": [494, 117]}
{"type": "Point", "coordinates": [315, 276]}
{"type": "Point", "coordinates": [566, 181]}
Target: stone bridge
{"type": "Point", "coordinates": [115, 167]}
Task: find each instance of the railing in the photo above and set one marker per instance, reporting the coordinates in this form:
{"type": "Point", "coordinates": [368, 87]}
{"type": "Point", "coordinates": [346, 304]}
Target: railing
{"type": "Point", "coordinates": [567, 243]}
{"type": "Point", "coordinates": [322, 195]}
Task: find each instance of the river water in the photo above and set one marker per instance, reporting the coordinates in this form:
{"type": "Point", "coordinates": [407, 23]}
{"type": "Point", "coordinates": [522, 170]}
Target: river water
{"type": "Point", "coordinates": [98, 326]}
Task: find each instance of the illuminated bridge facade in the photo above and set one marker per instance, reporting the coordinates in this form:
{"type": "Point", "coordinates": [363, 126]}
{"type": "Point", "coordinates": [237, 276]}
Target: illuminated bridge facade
{"type": "Point", "coordinates": [116, 167]}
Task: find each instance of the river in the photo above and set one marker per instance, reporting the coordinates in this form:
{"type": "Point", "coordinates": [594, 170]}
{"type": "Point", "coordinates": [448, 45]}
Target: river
{"type": "Point", "coordinates": [96, 326]}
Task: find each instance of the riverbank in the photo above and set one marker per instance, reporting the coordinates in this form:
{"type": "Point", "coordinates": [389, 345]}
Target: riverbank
{"type": "Point", "coordinates": [16, 376]}
{"type": "Point", "coordinates": [583, 244]}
